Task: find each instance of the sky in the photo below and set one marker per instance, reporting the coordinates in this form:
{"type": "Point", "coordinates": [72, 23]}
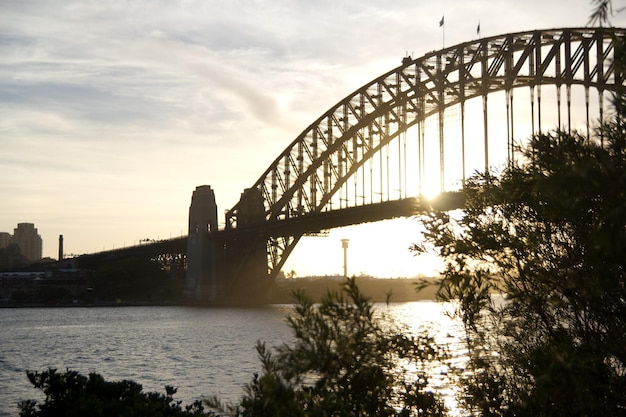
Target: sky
{"type": "Point", "coordinates": [112, 112]}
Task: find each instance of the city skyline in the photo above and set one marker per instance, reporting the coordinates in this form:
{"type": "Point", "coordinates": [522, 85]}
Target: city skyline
{"type": "Point", "coordinates": [111, 114]}
{"type": "Point", "coordinates": [26, 237]}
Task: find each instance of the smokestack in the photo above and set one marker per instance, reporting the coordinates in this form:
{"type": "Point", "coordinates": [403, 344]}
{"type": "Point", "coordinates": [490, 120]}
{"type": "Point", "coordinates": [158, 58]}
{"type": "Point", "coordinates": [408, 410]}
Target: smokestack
{"type": "Point", "coordinates": [60, 247]}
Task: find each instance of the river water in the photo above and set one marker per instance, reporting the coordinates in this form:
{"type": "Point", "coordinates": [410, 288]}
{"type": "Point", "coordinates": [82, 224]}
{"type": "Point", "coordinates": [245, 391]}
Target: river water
{"type": "Point", "coordinates": [201, 351]}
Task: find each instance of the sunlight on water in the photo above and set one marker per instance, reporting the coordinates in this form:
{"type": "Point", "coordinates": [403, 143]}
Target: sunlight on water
{"type": "Point", "coordinates": [434, 319]}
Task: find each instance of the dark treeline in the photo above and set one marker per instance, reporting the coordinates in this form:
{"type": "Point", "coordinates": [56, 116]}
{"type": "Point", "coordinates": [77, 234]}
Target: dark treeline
{"type": "Point", "coordinates": [375, 289]}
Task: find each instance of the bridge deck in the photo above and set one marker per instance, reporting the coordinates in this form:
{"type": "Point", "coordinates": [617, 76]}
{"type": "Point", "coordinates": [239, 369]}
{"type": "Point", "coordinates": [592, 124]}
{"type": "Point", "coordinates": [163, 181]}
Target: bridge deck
{"type": "Point", "coordinates": [318, 221]}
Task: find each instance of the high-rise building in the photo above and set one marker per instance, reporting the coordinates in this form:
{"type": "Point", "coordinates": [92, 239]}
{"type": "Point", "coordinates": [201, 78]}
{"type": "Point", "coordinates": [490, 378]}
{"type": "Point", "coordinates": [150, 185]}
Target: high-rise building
{"type": "Point", "coordinates": [5, 238]}
{"type": "Point", "coordinates": [25, 236]}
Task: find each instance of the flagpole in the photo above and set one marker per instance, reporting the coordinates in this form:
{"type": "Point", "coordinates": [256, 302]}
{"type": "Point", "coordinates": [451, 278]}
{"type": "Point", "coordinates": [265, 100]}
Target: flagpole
{"type": "Point", "coordinates": [442, 23]}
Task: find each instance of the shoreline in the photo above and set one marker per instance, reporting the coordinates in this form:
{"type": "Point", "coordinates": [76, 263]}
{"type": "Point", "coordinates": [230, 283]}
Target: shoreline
{"type": "Point", "coordinates": [392, 290]}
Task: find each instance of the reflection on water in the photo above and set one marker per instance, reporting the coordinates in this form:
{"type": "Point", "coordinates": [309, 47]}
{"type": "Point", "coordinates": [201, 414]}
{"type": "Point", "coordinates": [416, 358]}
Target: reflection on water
{"type": "Point", "coordinates": [436, 320]}
{"type": "Point", "coordinates": [202, 351]}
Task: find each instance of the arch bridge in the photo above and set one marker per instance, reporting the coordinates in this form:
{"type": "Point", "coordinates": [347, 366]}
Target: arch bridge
{"type": "Point", "coordinates": [421, 127]}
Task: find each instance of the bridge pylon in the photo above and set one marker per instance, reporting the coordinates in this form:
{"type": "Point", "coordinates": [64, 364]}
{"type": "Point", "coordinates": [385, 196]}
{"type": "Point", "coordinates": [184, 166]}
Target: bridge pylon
{"type": "Point", "coordinates": [228, 266]}
{"type": "Point", "coordinates": [244, 258]}
{"type": "Point", "coordinates": [202, 283]}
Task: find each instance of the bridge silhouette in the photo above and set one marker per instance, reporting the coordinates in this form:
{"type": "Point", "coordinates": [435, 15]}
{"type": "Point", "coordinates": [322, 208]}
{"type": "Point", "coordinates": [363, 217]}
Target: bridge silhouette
{"type": "Point", "coordinates": [421, 127]}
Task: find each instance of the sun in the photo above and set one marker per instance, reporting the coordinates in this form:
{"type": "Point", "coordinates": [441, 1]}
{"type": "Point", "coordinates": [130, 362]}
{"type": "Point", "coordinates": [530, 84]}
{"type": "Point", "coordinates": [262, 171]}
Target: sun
{"type": "Point", "coordinates": [430, 192]}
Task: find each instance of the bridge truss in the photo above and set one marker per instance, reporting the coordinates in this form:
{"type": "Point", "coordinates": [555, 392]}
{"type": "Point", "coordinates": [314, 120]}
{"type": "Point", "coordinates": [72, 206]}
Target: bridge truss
{"type": "Point", "coordinates": [342, 160]}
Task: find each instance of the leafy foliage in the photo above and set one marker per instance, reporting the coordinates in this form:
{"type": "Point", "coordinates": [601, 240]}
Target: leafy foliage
{"type": "Point", "coordinates": [602, 12]}
{"type": "Point", "coordinates": [344, 362]}
{"type": "Point", "coordinates": [72, 394]}
{"type": "Point", "coordinates": [550, 235]}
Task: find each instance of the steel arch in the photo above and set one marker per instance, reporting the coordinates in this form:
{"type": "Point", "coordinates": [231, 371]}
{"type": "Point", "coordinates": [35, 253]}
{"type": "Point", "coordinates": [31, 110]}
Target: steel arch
{"type": "Point", "coordinates": [304, 178]}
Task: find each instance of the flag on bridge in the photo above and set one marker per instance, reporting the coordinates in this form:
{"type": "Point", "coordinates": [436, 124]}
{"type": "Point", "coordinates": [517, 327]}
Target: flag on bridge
{"type": "Point", "coordinates": [478, 29]}
{"type": "Point", "coordinates": [441, 21]}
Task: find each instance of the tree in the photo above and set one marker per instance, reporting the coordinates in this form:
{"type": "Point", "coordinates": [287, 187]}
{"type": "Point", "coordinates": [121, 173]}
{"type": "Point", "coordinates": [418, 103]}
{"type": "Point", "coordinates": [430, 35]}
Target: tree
{"type": "Point", "coordinates": [346, 361]}
{"type": "Point", "coordinates": [72, 394]}
{"type": "Point", "coordinates": [602, 12]}
{"type": "Point", "coordinates": [549, 235]}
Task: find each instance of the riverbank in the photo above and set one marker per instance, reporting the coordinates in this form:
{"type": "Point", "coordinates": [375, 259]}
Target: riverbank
{"type": "Point", "coordinates": [376, 289]}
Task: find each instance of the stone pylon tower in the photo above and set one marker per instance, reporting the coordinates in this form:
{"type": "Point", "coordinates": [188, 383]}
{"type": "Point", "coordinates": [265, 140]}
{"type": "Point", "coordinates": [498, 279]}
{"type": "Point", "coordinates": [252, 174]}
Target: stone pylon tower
{"type": "Point", "coordinates": [202, 282]}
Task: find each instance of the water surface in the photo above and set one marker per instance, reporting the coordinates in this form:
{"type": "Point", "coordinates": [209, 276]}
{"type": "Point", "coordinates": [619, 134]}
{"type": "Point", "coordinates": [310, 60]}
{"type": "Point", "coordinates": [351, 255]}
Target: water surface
{"type": "Point", "coordinates": [201, 351]}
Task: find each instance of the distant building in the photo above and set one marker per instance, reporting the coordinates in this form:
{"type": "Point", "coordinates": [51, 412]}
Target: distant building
{"type": "Point", "coordinates": [5, 238]}
{"type": "Point", "coordinates": [25, 236]}
{"type": "Point", "coordinates": [19, 285]}
{"type": "Point", "coordinates": [12, 259]}
{"type": "Point", "coordinates": [49, 287]}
